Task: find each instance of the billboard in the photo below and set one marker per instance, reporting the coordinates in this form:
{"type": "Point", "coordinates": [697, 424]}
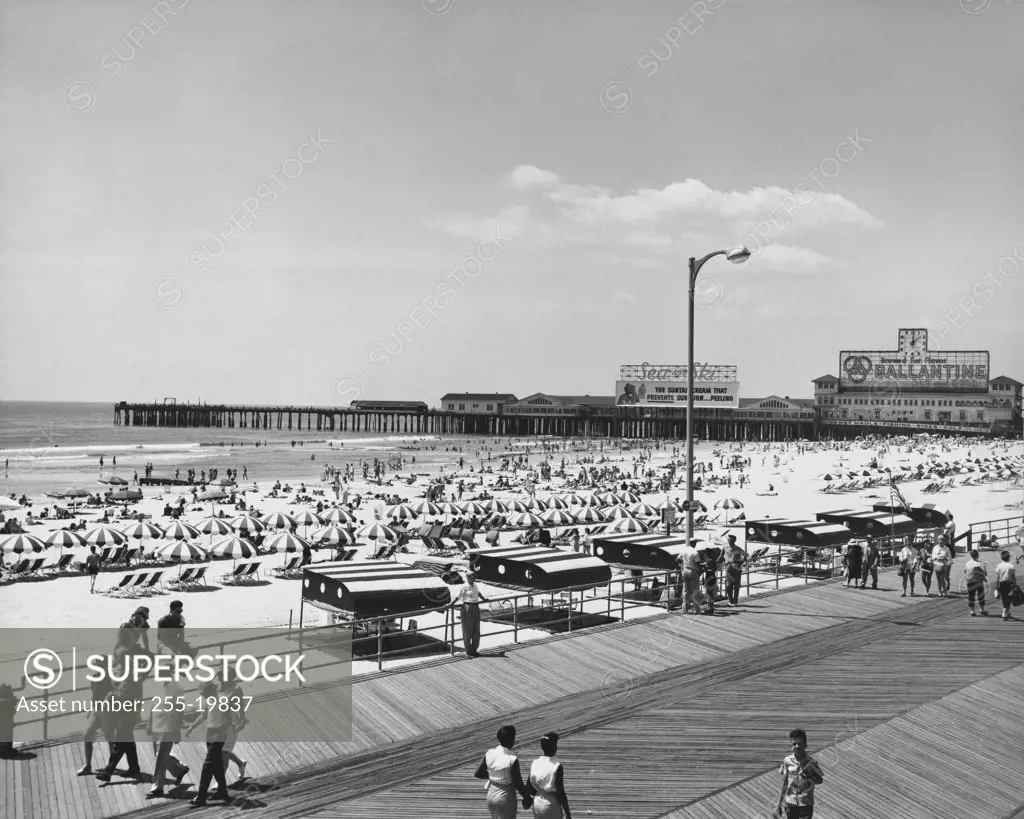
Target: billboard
{"type": "Point", "coordinates": [677, 372]}
{"type": "Point", "coordinates": [913, 368]}
{"type": "Point", "coordinates": [648, 393]}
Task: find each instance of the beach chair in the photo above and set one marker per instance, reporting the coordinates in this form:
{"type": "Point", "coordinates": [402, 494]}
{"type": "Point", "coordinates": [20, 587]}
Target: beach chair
{"type": "Point", "coordinates": [134, 589]}
{"type": "Point", "coordinates": [120, 588]}
{"type": "Point", "coordinates": [348, 554]}
{"type": "Point", "coordinates": [288, 568]}
{"type": "Point", "coordinates": [34, 567]}
{"type": "Point", "coordinates": [251, 574]}
{"type": "Point", "coordinates": [233, 577]}
{"type": "Point", "coordinates": [183, 579]}
{"type": "Point", "coordinates": [62, 566]}
{"type": "Point", "coordinates": [15, 570]}
{"type": "Point", "coordinates": [199, 577]}
{"type": "Point", "coordinates": [151, 586]}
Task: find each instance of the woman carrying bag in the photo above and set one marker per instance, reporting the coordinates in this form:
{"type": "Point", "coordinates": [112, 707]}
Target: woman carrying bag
{"type": "Point", "coordinates": [909, 560]}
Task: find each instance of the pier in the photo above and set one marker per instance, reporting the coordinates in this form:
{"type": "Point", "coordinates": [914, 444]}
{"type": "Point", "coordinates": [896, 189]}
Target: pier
{"type": "Point", "coordinates": [606, 422]}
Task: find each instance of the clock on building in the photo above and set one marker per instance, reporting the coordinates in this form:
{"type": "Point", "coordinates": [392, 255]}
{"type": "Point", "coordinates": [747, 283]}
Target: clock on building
{"type": "Point", "coordinates": [913, 341]}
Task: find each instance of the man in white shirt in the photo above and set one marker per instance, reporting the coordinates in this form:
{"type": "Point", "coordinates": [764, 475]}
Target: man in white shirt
{"type": "Point", "coordinates": [470, 597]}
{"type": "Point", "coordinates": [688, 561]}
{"type": "Point", "coordinates": [976, 575]}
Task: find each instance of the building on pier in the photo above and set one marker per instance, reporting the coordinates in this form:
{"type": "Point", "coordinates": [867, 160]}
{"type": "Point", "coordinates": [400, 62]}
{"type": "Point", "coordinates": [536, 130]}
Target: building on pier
{"type": "Point", "coordinates": [476, 403]}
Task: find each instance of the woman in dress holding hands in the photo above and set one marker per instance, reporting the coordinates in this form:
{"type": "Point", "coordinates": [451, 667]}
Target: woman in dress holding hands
{"type": "Point", "coordinates": [501, 768]}
{"type": "Point", "coordinates": [547, 784]}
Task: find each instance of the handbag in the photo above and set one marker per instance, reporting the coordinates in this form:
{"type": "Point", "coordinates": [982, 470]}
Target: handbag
{"type": "Point", "coordinates": [1017, 596]}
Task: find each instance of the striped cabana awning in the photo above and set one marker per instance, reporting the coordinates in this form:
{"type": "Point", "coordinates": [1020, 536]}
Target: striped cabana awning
{"type": "Point", "coordinates": [926, 516]}
{"type": "Point", "coordinates": [373, 588]}
{"type": "Point", "coordinates": [871, 524]}
{"type": "Point", "coordinates": [537, 567]}
{"type": "Point", "coordinates": [650, 551]}
{"type": "Point", "coordinates": [808, 534]}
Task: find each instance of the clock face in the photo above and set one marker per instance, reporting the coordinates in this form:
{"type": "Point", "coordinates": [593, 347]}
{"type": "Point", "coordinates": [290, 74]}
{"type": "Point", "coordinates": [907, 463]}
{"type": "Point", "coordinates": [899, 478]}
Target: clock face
{"type": "Point", "coordinates": [913, 341]}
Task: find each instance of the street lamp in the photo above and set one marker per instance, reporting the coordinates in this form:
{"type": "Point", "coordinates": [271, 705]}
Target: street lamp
{"type": "Point", "coordinates": [738, 255]}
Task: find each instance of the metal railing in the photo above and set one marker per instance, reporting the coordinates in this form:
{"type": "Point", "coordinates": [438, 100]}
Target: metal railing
{"type": "Point", "coordinates": [1003, 528]}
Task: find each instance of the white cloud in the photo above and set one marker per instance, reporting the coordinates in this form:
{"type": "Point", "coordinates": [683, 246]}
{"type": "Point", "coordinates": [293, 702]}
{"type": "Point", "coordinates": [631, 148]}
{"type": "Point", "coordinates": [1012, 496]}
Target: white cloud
{"type": "Point", "coordinates": [791, 258]}
{"type": "Point", "coordinates": [525, 177]}
{"type": "Point", "coordinates": [628, 298]}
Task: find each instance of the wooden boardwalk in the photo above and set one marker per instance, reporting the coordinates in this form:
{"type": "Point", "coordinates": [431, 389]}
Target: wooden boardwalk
{"type": "Point", "coordinates": [660, 716]}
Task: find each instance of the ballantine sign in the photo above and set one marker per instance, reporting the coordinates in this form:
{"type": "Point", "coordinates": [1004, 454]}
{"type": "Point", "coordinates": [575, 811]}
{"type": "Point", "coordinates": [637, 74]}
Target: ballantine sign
{"type": "Point", "coordinates": [677, 372]}
{"type": "Point", "coordinates": [914, 368]}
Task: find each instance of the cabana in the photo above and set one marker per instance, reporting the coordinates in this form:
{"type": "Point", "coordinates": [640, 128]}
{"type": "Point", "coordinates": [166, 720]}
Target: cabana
{"type": "Point", "coordinates": [366, 589]}
{"type": "Point", "coordinates": [537, 568]}
{"type": "Point", "coordinates": [655, 550]}
{"type": "Point", "coordinates": [870, 524]}
{"type": "Point", "coordinates": [926, 516]}
{"type": "Point", "coordinates": [805, 540]}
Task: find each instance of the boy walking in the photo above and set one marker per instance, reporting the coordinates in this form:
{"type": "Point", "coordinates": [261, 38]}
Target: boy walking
{"type": "Point", "coordinates": [800, 773]}
{"type": "Point", "coordinates": [976, 575]}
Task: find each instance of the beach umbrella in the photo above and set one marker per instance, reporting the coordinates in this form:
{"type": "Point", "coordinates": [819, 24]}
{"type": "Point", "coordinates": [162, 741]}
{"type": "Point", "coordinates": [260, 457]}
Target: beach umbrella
{"type": "Point", "coordinates": [226, 482]}
{"type": "Point", "coordinates": [212, 495]}
{"type": "Point", "coordinates": [628, 497]}
{"type": "Point", "coordinates": [64, 539]}
{"type": "Point", "coordinates": [555, 502]}
{"type": "Point", "coordinates": [589, 500]}
{"type": "Point", "coordinates": [826, 477]}
{"type": "Point", "coordinates": [279, 520]}
{"type": "Point", "coordinates": [285, 542]}
{"type": "Point", "coordinates": [402, 511]}
{"type": "Point", "coordinates": [609, 499]}
{"type": "Point", "coordinates": [376, 531]}
{"type": "Point", "coordinates": [643, 510]}
{"type": "Point", "coordinates": [306, 517]}
{"type": "Point", "coordinates": [618, 513]}
{"type": "Point", "coordinates": [495, 506]}
{"type": "Point", "coordinates": [444, 508]}
{"type": "Point", "coordinates": [247, 525]}
{"type": "Point", "coordinates": [124, 496]}
{"type": "Point", "coordinates": [143, 530]}
{"type": "Point", "coordinates": [728, 503]}
{"type": "Point", "coordinates": [558, 517]}
{"type": "Point", "coordinates": [524, 519]}
{"type": "Point", "coordinates": [337, 515]}
{"type": "Point", "coordinates": [625, 526]}
{"type": "Point", "coordinates": [181, 551]}
{"type": "Point", "coordinates": [22, 545]}
{"type": "Point", "coordinates": [215, 526]}
{"type": "Point", "coordinates": [75, 492]}
{"type": "Point", "coordinates": [518, 506]}
{"type": "Point", "coordinates": [534, 505]}
{"type": "Point", "coordinates": [473, 508]}
{"type": "Point", "coordinates": [332, 535]}
{"type": "Point", "coordinates": [573, 499]}
{"type": "Point", "coordinates": [104, 536]}
{"type": "Point", "coordinates": [180, 530]}
{"type": "Point", "coordinates": [234, 548]}
{"type": "Point", "coordinates": [425, 507]}
{"type": "Point", "coordinates": [114, 480]}
{"type": "Point", "coordinates": [590, 514]}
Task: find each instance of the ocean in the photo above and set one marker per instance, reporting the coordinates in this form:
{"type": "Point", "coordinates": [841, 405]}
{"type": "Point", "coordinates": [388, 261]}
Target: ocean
{"type": "Point", "coordinates": [51, 446]}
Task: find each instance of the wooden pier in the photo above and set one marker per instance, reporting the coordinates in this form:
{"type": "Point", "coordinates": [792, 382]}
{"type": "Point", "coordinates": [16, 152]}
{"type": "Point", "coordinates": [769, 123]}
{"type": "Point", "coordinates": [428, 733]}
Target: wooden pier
{"type": "Point", "coordinates": [673, 716]}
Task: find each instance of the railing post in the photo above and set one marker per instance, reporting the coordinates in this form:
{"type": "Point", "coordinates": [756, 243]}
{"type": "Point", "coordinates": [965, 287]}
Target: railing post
{"type": "Point", "coordinates": [515, 620]}
{"type": "Point", "coordinates": [622, 600]}
{"type": "Point", "coordinates": [380, 643]}
{"type": "Point", "coordinates": [778, 565]}
{"type": "Point", "coordinates": [451, 648]}
{"type": "Point", "coordinates": [570, 609]}
{"type": "Point", "coordinates": [806, 580]}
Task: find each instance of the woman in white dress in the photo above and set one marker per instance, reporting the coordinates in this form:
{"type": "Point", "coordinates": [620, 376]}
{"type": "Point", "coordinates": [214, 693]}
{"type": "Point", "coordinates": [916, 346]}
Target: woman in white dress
{"type": "Point", "coordinates": [546, 783]}
{"type": "Point", "coordinates": [500, 767]}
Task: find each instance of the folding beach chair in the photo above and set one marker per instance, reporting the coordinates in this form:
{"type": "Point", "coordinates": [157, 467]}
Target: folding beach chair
{"type": "Point", "coordinates": [35, 567]}
{"type": "Point", "coordinates": [234, 576]}
{"type": "Point", "coordinates": [62, 566]}
{"type": "Point", "coordinates": [15, 570]}
{"type": "Point", "coordinates": [183, 579]}
{"type": "Point", "coordinates": [251, 574]}
{"type": "Point", "coordinates": [119, 589]}
{"type": "Point", "coordinates": [287, 568]}
{"type": "Point", "coordinates": [197, 578]}
{"type": "Point", "coordinates": [135, 589]}
{"type": "Point", "coordinates": [151, 586]}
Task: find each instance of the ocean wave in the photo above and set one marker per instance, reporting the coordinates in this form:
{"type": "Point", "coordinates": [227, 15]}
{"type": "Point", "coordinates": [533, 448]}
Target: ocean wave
{"type": "Point", "coordinates": [103, 449]}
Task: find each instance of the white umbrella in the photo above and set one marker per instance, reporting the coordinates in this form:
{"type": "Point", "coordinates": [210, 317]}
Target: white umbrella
{"type": "Point", "coordinates": [425, 507]}
{"type": "Point", "coordinates": [402, 511]}
{"type": "Point", "coordinates": [473, 508]}
{"type": "Point", "coordinates": [558, 517]}
{"type": "Point", "coordinates": [64, 539]}
{"type": "Point", "coordinates": [590, 514]}
{"type": "Point", "coordinates": [337, 515]}
{"type": "Point", "coordinates": [376, 531]}
{"type": "Point", "coordinates": [494, 505]}
{"type": "Point", "coordinates": [284, 542]}
{"type": "Point", "coordinates": [643, 510]}
{"type": "Point", "coordinates": [446, 508]}
{"type": "Point", "coordinates": [181, 531]}
{"type": "Point", "coordinates": [235, 548]}
{"type": "Point", "coordinates": [180, 551]}
{"type": "Point", "coordinates": [728, 503]}
{"type": "Point", "coordinates": [307, 518]}
{"type": "Point", "coordinates": [625, 526]}
{"type": "Point", "coordinates": [332, 535]}
{"type": "Point", "coordinates": [143, 531]}
{"type": "Point", "coordinates": [279, 520]}
{"type": "Point", "coordinates": [215, 526]}
{"type": "Point", "coordinates": [104, 536]}
{"type": "Point", "coordinates": [534, 504]}
{"type": "Point", "coordinates": [628, 497]}
{"type": "Point", "coordinates": [22, 544]}
{"type": "Point", "coordinates": [248, 525]}
{"type": "Point", "coordinates": [524, 519]}
{"type": "Point", "coordinates": [555, 502]}
{"type": "Point", "coordinates": [618, 513]}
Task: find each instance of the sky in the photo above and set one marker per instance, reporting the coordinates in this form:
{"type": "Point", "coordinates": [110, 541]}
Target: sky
{"type": "Point", "coordinates": [310, 202]}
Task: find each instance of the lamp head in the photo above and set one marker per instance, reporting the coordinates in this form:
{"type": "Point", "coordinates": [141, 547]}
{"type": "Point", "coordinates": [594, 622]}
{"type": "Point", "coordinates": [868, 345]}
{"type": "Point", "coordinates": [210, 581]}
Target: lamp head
{"type": "Point", "coordinates": [738, 255]}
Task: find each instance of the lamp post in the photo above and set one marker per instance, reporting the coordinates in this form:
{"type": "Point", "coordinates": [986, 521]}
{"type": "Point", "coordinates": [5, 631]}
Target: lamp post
{"type": "Point", "coordinates": [737, 255]}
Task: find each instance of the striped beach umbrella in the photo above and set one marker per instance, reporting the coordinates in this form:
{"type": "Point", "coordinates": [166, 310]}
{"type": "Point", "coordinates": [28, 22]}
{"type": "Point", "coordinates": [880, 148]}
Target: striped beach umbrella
{"type": "Point", "coordinates": [558, 517]}
{"type": "Point", "coordinates": [234, 548]}
{"type": "Point", "coordinates": [590, 514]}
{"type": "Point", "coordinates": [590, 500]}
{"type": "Point", "coordinates": [402, 511]}
{"type": "Point", "coordinates": [518, 506]}
{"type": "Point", "coordinates": [285, 542]}
{"type": "Point", "coordinates": [247, 525]}
{"type": "Point", "coordinates": [179, 530]}
{"type": "Point", "coordinates": [534, 505]}
{"type": "Point", "coordinates": [307, 517]}
{"type": "Point", "coordinates": [332, 535]}
{"type": "Point", "coordinates": [522, 519]}
{"type": "Point", "coordinates": [494, 505]}
{"type": "Point", "coordinates": [338, 515]}
{"type": "Point", "coordinates": [180, 551]}
{"type": "Point", "coordinates": [628, 497]}
{"type": "Point", "coordinates": [728, 503]}
{"type": "Point", "coordinates": [609, 499]}
{"type": "Point", "coordinates": [22, 545]}
{"type": "Point", "coordinates": [215, 526]}
{"type": "Point", "coordinates": [63, 539]}
{"type": "Point", "coordinates": [425, 507]}
{"type": "Point", "coordinates": [278, 520]}
{"type": "Point", "coordinates": [376, 531]}
{"type": "Point", "coordinates": [446, 508]}
{"type": "Point", "coordinates": [618, 513]}
{"type": "Point", "coordinates": [572, 499]}
{"type": "Point", "coordinates": [625, 526]}
{"type": "Point", "coordinates": [143, 531]}
{"type": "Point", "coordinates": [643, 510]}
{"type": "Point", "coordinates": [473, 508]}
{"type": "Point", "coordinates": [104, 536]}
